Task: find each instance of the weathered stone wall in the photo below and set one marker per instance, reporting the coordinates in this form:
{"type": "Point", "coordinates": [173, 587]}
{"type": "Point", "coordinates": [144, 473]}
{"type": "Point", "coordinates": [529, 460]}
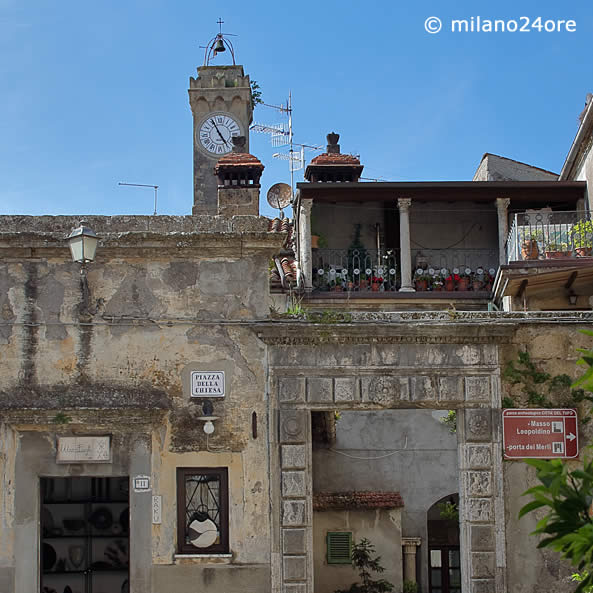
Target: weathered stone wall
{"type": "Point", "coordinates": [553, 349]}
{"type": "Point", "coordinates": [165, 293]}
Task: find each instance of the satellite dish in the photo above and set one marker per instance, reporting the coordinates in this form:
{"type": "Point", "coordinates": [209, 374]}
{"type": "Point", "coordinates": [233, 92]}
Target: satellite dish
{"type": "Point", "coordinates": [202, 534]}
{"type": "Point", "coordinates": [279, 195]}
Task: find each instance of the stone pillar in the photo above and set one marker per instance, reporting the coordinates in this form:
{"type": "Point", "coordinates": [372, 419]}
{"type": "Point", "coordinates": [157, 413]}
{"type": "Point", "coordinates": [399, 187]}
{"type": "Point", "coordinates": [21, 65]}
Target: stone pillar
{"type": "Point", "coordinates": [502, 206]}
{"type": "Point", "coordinates": [296, 519]}
{"type": "Point", "coordinates": [305, 243]}
{"type": "Point", "coordinates": [405, 252]}
{"type": "Point", "coordinates": [410, 544]}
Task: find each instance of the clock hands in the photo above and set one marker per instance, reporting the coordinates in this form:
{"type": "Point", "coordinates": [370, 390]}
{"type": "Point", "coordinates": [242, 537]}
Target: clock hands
{"type": "Point", "coordinates": [218, 132]}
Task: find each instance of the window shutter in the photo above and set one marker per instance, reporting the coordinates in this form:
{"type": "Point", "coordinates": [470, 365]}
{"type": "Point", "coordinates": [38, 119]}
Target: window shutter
{"type": "Point", "coordinates": [339, 547]}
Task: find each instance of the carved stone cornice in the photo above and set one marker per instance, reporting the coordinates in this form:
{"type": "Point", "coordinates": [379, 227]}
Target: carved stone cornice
{"type": "Point", "coordinates": [303, 334]}
{"type": "Point", "coordinates": [133, 420]}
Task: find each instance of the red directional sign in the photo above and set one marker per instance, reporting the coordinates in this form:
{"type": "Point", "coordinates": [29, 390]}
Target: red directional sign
{"type": "Point", "coordinates": [540, 433]}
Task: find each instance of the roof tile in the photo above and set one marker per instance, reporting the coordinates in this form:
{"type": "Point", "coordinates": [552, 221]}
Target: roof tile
{"type": "Point", "coordinates": [325, 501]}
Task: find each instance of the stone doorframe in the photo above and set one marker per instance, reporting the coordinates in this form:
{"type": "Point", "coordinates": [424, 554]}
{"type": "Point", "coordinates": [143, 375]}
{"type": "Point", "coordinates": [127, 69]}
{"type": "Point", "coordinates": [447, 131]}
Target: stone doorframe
{"type": "Point", "coordinates": [387, 366]}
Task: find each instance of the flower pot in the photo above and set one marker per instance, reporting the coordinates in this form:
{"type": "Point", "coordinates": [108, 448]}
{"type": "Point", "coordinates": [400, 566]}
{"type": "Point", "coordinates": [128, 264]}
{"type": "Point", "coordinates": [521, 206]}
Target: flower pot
{"type": "Point", "coordinates": [375, 286]}
{"type": "Point", "coordinates": [463, 284]}
{"type": "Point", "coordinates": [421, 285]}
{"type": "Point", "coordinates": [530, 250]}
{"type": "Point", "coordinates": [437, 287]}
{"type": "Point", "coordinates": [450, 285]}
{"type": "Point", "coordinates": [477, 285]}
{"type": "Point", "coordinates": [350, 286]}
{"type": "Point", "coordinates": [583, 251]}
{"type": "Point", "coordinates": [558, 254]}
{"type": "Point", "coordinates": [314, 241]}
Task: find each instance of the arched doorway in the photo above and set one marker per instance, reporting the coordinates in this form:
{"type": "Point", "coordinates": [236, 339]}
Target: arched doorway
{"type": "Point", "coordinates": [444, 560]}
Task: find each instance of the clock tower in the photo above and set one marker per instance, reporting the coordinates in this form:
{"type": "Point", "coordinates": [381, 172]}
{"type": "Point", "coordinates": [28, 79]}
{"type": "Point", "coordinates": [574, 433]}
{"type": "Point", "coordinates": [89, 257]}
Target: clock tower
{"type": "Point", "coordinates": [220, 100]}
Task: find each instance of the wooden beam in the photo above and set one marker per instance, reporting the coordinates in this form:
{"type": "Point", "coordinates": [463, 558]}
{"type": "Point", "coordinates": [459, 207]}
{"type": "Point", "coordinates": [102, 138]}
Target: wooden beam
{"type": "Point", "coordinates": [522, 288]}
{"type": "Point", "coordinates": [571, 280]}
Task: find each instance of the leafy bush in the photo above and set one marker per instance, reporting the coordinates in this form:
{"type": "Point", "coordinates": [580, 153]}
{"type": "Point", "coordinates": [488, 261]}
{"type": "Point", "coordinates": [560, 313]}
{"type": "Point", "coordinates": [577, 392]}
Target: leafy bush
{"type": "Point", "coordinates": [363, 561]}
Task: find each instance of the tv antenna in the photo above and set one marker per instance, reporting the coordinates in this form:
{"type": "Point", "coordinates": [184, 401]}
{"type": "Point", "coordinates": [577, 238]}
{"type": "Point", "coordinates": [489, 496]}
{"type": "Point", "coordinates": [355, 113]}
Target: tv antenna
{"type": "Point", "coordinates": [282, 135]}
{"type": "Point", "coordinates": [155, 187]}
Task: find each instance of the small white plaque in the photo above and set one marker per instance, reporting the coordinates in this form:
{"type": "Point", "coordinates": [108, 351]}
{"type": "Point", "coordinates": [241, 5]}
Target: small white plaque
{"type": "Point", "coordinates": [156, 510]}
{"type": "Point", "coordinates": [96, 449]}
{"type": "Point", "coordinates": [141, 483]}
{"type": "Point", "coordinates": [207, 384]}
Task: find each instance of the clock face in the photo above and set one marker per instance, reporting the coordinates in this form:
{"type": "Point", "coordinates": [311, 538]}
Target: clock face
{"type": "Point", "coordinates": [216, 131]}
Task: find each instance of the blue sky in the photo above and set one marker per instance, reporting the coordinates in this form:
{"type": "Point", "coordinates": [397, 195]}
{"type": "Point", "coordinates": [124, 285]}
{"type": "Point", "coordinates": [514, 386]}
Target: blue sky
{"type": "Point", "coordinates": [96, 93]}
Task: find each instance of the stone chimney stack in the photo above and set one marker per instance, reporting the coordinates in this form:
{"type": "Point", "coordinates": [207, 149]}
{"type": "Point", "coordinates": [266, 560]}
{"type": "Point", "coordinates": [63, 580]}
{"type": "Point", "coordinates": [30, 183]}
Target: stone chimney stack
{"type": "Point", "coordinates": [332, 165]}
{"type": "Point", "coordinates": [238, 181]}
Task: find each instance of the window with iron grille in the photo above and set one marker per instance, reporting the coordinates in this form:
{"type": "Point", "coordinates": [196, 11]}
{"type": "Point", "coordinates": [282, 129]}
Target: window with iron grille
{"type": "Point", "coordinates": [202, 510]}
{"type": "Point", "coordinates": [339, 547]}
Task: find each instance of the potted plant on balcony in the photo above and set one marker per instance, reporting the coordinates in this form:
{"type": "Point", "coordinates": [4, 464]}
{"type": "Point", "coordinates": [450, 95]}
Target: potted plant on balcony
{"type": "Point", "coordinates": [529, 246]}
{"type": "Point", "coordinates": [437, 282]}
{"type": "Point", "coordinates": [421, 279]}
{"type": "Point", "coordinates": [478, 280]}
{"type": "Point", "coordinates": [376, 283]}
{"type": "Point", "coordinates": [450, 282]}
{"type": "Point", "coordinates": [582, 237]}
{"type": "Point", "coordinates": [558, 250]}
{"type": "Point", "coordinates": [463, 280]}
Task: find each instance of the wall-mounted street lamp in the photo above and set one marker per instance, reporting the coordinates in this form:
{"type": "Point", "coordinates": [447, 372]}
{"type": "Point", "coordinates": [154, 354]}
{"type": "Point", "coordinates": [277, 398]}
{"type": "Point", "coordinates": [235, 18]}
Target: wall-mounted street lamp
{"type": "Point", "coordinates": [207, 418]}
{"type": "Point", "coordinates": [83, 245]}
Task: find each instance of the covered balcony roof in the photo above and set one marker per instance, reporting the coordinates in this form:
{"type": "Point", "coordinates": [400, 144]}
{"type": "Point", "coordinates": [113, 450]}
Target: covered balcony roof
{"type": "Point", "coordinates": [523, 194]}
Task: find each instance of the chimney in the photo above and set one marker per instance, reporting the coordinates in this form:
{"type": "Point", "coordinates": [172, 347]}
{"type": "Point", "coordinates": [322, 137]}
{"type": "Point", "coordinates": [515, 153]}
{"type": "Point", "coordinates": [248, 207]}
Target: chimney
{"type": "Point", "coordinates": [238, 181]}
{"type": "Point", "coordinates": [332, 166]}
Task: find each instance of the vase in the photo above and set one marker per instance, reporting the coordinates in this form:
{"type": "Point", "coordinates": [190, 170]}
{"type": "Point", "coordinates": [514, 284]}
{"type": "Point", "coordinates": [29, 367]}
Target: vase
{"type": "Point", "coordinates": [76, 555]}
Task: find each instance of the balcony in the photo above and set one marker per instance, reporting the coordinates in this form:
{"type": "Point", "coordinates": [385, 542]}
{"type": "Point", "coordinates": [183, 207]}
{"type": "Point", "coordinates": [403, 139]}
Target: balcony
{"type": "Point", "coordinates": [548, 261]}
{"type": "Point", "coordinates": [550, 237]}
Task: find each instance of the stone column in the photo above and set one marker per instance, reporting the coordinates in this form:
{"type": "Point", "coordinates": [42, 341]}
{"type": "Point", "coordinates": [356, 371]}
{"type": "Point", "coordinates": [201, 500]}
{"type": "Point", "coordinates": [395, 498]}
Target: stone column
{"type": "Point", "coordinates": [410, 544]}
{"type": "Point", "coordinates": [305, 243]}
{"type": "Point", "coordinates": [405, 252]}
{"type": "Point", "coordinates": [502, 206]}
{"type": "Point", "coordinates": [296, 520]}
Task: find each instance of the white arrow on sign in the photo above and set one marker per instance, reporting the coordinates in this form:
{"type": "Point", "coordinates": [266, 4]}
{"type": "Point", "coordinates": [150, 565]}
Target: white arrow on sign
{"type": "Point", "coordinates": [571, 437]}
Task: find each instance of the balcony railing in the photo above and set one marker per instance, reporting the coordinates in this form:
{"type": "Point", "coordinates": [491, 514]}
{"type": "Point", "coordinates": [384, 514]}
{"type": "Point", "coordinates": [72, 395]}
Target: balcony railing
{"type": "Point", "coordinates": [444, 261]}
{"type": "Point", "coordinates": [549, 235]}
{"type": "Point", "coordinates": [363, 270]}
{"type": "Point", "coordinates": [368, 270]}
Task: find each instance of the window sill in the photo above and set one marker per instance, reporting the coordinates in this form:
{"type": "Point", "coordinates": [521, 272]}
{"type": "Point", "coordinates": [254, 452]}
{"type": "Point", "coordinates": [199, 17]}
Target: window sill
{"type": "Point", "coordinates": [182, 556]}
{"type": "Point", "coordinates": [203, 559]}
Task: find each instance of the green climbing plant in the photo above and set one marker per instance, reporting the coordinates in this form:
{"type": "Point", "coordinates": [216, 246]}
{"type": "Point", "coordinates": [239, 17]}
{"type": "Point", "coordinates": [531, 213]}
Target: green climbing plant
{"type": "Point", "coordinates": [541, 389]}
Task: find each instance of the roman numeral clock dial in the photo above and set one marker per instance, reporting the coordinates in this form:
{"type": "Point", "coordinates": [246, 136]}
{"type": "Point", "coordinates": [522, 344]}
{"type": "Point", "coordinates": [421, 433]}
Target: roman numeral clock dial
{"type": "Point", "coordinates": [216, 132]}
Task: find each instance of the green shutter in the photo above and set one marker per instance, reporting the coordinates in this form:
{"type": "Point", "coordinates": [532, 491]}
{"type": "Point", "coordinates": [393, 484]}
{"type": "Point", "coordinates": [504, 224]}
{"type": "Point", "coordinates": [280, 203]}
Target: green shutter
{"type": "Point", "coordinates": [339, 547]}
